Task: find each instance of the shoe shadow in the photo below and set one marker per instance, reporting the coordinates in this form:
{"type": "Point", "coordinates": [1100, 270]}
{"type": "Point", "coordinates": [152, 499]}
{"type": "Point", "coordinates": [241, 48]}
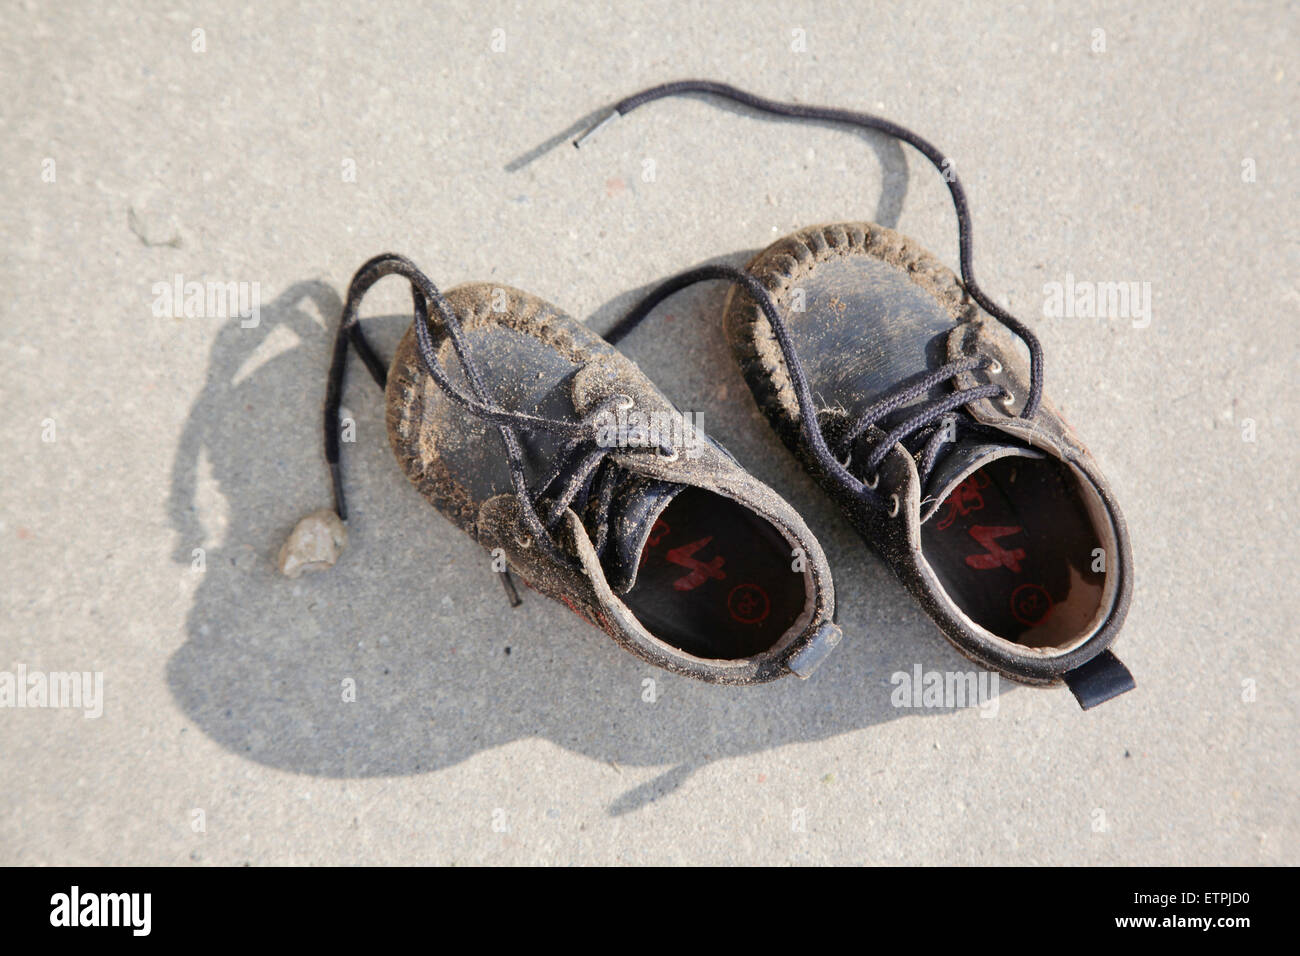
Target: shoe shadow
{"type": "Point", "coordinates": [414, 621]}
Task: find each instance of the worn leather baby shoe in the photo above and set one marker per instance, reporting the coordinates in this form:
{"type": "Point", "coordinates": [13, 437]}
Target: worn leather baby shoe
{"type": "Point", "coordinates": [929, 429]}
{"type": "Point", "coordinates": [552, 450]}
{"type": "Point", "coordinates": [998, 521]}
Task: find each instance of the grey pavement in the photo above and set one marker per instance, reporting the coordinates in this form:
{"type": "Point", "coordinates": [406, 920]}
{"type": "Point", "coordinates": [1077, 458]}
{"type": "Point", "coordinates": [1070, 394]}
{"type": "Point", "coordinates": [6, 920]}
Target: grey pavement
{"type": "Point", "coordinates": [154, 463]}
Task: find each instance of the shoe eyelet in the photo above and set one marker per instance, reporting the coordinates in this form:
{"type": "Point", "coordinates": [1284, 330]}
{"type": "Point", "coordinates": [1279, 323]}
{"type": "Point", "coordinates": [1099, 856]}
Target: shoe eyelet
{"type": "Point", "coordinates": [875, 480]}
{"type": "Point", "coordinates": [1008, 399]}
{"type": "Point", "coordinates": [995, 366]}
{"type": "Point", "coordinates": [894, 513]}
{"type": "Point", "coordinates": [667, 458]}
{"type": "Point", "coordinates": [624, 400]}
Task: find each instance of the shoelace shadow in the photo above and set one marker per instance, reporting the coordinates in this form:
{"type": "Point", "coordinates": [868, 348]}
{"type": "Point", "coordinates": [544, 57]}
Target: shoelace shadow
{"type": "Point", "coordinates": [443, 667]}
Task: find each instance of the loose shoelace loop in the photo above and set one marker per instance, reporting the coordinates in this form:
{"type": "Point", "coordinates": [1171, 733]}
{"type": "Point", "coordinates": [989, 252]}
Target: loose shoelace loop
{"type": "Point", "coordinates": [905, 393]}
{"type": "Point", "coordinates": [577, 465]}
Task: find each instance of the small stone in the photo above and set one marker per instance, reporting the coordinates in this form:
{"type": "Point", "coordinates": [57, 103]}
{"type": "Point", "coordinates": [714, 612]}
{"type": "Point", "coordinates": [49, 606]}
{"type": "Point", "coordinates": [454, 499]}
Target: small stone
{"type": "Point", "coordinates": [314, 544]}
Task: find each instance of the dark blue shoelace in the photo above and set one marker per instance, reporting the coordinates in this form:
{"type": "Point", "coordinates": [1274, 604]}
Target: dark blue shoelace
{"type": "Point", "coordinates": [580, 471]}
{"type": "Point", "coordinates": [938, 411]}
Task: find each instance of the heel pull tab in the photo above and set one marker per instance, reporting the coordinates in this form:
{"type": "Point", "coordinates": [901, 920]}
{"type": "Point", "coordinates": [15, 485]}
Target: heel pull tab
{"type": "Point", "coordinates": [1097, 681]}
{"type": "Point", "coordinates": [811, 655]}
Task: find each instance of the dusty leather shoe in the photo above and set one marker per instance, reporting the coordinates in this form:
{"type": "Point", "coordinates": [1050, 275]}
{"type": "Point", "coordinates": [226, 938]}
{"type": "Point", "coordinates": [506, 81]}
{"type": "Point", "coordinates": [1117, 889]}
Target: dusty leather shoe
{"type": "Point", "coordinates": [512, 419]}
{"type": "Point", "coordinates": [1001, 525]}
{"type": "Point", "coordinates": [903, 390]}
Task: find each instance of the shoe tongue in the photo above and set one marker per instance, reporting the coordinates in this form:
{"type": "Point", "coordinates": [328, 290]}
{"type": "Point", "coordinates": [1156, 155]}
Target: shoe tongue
{"type": "Point", "coordinates": [958, 461]}
{"type": "Point", "coordinates": [636, 504]}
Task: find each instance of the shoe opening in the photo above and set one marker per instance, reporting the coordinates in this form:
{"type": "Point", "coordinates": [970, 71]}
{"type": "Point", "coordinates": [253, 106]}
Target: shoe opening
{"type": "Point", "coordinates": [717, 580]}
{"type": "Point", "coordinates": [1020, 546]}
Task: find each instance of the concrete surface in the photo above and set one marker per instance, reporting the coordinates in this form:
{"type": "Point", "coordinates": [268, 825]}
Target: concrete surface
{"type": "Point", "coordinates": [1165, 154]}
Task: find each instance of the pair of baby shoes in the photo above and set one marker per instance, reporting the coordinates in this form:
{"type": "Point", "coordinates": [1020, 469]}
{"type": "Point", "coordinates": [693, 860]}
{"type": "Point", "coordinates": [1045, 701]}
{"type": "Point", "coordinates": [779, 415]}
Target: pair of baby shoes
{"type": "Point", "coordinates": [914, 400]}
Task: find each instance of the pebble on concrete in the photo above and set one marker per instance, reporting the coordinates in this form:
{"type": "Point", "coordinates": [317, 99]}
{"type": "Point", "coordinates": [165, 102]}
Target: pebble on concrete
{"type": "Point", "coordinates": [314, 544]}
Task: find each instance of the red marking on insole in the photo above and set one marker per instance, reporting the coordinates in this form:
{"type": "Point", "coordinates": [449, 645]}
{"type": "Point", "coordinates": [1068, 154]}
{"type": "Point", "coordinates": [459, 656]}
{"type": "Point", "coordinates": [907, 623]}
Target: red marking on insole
{"type": "Point", "coordinates": [964, 499]}
{"type": "Point", "coordinates": [996, 556]}
{"type": "Point", "coordinates": [700, 571]}
{"type": "Point", "coordinates": [1031, 604]}
{"type": "Point", "coordinates": [748, 604]}
{"type": "Point", "coordinates": [657, 532]}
